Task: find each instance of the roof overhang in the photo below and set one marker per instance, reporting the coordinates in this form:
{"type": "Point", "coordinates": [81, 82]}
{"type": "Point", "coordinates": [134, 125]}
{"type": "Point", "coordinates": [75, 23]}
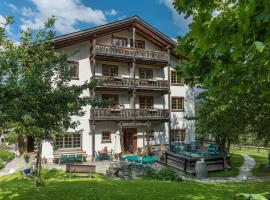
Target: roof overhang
{"type": "Point", "coordinates": [142, 28]}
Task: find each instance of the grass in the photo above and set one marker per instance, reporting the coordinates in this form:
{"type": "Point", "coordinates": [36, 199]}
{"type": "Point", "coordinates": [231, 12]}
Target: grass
{"type": "Point", "coordinates": [5, 156]}
{"type": "Point", "coordinates": [260, 158]}
{"type": "Point", "coordinates": [59, 187]}
{"type": "Point", "coordinates": [237, 161]}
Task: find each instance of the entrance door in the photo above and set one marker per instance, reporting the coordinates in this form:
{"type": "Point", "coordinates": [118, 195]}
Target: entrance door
{"type": "Point", "coordinates": [30, 144]}
{"type": "Point", "coordinates": [130, 140]}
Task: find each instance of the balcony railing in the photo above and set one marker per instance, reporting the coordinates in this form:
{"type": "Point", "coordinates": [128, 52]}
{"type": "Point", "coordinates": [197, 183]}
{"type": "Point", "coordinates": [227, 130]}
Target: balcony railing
{"type": "Point", "coordinates": [129, 82]}
{"type": "Point", "coordinates": [130, 52]}
{"type": "Point", "coordinates": [129, 114]}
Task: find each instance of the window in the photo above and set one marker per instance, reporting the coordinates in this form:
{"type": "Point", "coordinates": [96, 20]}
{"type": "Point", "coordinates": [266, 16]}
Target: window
{"type": "Point", "coordinates": [151, 135]}
{"type": "Point", "coordinates": [145, 73]}
{"type": "Point", "coordinates": [106, 137]}
{"type": "Point", "coordinates": [176, 79]}
{"type": "Point", "coordinates": [118, 41]}
{"type": "Point", "coordinates": [68, 141]}
{"type": "Point", "coordinates": [110, 100]}
{"type": "Point", "coordinates": [177, 103]}
{"type": "Point", "coordinates": [72, 68]}
{"type": "Point", "coordinates": [139, 44]}
{"type": "Point", "coordinates": [178, 135]}
{"type": "Point", "coordinates": [146, 102]}
{"type": "Point", "coordinates": [109, 70]}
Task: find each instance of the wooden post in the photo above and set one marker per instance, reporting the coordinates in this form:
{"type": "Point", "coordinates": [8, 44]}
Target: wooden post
{"type": "Point", "coordinates": [121, 136]}
{"type": "Point", "coordinates": [169, 95]}
{"type": "Point", "coordinates": [93, 108]}
{"type": "Point", "coordinates": [133, 72]}
{"type": "Point", "coordinates": [147, 137]}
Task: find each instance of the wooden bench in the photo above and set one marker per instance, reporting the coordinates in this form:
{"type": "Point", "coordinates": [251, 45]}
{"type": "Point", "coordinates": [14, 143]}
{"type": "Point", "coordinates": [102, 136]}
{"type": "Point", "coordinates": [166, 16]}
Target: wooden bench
{"type": "Point", "coordinates": [80, 169]}
{"type": "Point", "coordinates": [74, 151]}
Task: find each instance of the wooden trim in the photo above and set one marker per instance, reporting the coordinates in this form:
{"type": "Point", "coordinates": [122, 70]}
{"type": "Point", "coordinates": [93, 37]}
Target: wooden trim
{"type": "Point", "coordinates": [77, 69]}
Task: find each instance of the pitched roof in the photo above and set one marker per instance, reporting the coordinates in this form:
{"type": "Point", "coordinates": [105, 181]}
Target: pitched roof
{"type": "Point", "coordinates": [141, 28]}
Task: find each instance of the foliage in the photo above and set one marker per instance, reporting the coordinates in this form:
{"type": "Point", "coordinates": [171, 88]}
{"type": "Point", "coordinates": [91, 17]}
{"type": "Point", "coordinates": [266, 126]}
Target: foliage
{"type": "Point", "coordinates": [58, 186]}
{"type": "Point", "coordinates": [228, 51]}
{"type": "Point", "coordinates": [1, 164]}
{"type": "Point", "coordinates": [164, 174]}
{"type": "Point", "coordinates": [26, 158]}
{"type": "Point", "coordinates": [263, 196]}
{"type": "Point", "coordinates": [6, 155]}
{"type": "Point", "coordinates": [37, 97]}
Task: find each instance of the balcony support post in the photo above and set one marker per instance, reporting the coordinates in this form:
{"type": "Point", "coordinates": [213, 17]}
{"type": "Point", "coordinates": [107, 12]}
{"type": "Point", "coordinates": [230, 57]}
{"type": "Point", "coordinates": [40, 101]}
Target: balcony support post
{"type": "Point", "coordinates": [121, 136]}
{"type": "Point", "coordinates": [134, 66]}
{"type": "Point", "coordinates": [169, 95]}
{"type": "Point", "coordinates": [93, 130]}
{"type": "Point", "coordinates": [147, 137]}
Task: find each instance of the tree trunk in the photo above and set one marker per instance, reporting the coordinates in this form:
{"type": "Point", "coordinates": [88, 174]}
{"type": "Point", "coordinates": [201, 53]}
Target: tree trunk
{"type": "Point", "coordinates": [228, 145]}
{"type": "Point", "coordinates": [38, 164]}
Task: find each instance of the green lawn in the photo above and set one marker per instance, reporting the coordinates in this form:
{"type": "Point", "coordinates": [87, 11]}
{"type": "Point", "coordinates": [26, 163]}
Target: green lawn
{"type": "Point", "coordinates": [260, 158]}
{"type": "Point", "coordinates": [237, 161]}
{"type": "Point", "coordinates": [59, 186]}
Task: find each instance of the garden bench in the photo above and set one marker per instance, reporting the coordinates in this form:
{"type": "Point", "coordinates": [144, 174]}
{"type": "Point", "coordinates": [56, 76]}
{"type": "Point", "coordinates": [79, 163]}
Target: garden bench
{"type": "Point", "coordinates": [80, 169]}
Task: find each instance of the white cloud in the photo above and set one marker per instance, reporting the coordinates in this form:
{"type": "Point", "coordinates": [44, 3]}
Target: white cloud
{"type": "Point", "coordinates": [12, 6]}
{"type": "Point", "coordinates": [67, 12]}
{"type": "Point", "coordinates": [112, 12]}
{"type": "Point", "coordinates": [178, 19]}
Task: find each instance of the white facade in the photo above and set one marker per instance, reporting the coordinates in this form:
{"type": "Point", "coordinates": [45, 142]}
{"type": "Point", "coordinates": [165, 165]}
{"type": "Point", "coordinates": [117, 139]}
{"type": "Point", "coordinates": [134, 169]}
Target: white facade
{"type": "Point", "coordinates": [161, 101]}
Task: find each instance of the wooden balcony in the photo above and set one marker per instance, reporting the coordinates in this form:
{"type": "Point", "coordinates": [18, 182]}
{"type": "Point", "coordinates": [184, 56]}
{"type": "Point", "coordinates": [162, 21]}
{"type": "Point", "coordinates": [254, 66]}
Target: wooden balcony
{"type": "Point", "coordinates": [126, 54]}
{"type": "Point", "coordinates": [104, 114]}
{"type": "Point", "coordinates": [118, 83]}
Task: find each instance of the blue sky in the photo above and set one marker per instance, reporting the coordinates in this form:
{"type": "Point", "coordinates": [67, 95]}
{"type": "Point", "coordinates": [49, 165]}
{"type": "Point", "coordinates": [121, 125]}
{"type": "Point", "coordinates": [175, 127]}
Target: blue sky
{"type": "Point", "coordinates": [74, 15]}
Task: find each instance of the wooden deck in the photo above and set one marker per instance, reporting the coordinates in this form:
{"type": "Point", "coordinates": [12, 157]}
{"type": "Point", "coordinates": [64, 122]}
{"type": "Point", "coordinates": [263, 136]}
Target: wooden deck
{"type": "Point", "coordinates": [187, 164]}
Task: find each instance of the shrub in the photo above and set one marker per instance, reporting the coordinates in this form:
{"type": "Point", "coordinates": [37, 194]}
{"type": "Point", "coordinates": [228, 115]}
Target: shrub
{"type": "Point", "coordinates": [1, 164]}
{"type": "Point", "coordinates": [5, 155]}
{"type": "Point", "coordinates": [165, 174]}
{"type": "Point", "coordinates": [26, 158]}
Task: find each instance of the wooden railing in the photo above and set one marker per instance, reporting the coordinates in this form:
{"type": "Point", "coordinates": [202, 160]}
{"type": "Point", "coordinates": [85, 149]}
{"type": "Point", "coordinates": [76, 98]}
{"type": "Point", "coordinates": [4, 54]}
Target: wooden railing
{"type": "Point", "coordinates": [129, 114]}
{"type": "Point", "coordinates": [151, 83]}
{"type": "Point", "coordinates": [128, 82]}
{"type": "Point", "coordinates": [130, 52]}
{"type": "Point", "coordinates": [114, 81]}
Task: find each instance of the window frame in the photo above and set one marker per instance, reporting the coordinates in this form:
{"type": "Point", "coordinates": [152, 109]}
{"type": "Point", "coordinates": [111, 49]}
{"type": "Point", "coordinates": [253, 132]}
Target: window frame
{"type": "Point", "coordinates": [119, 38]}
{"type": "Point", "coordinates": [61, 139]}
{"type": "Point", "coordinates": [137, 43]}
{"type": "Point", "coordinates": [177, 80]}
{"type": "Point", "coordinates": [145, 102]}
{"type": "Point", "coordinates": [76, 77]}
{"type": "Point", "coordinates": [109, 139]}
{"type": "Point", "coordinates": [145, 71]}
{"type": "Point", "coordinates": [182, 134]}
{"type": "Point", "coordinates": [110, 70]}
{"type": "Point", "coordinates": [183, 103]}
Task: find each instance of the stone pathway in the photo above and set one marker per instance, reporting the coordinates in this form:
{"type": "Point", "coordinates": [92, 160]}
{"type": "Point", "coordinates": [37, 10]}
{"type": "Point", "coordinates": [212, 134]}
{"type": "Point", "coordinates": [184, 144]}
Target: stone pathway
{"type": "Point", "coordinates": [13, 166]}
{"type": "Point", "coordinates": [245, 174]}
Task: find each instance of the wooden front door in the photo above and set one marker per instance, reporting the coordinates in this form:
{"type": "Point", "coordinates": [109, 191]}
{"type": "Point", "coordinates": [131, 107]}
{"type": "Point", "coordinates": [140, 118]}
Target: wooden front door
{"type": "Point", "coordinates": [130, 140]}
